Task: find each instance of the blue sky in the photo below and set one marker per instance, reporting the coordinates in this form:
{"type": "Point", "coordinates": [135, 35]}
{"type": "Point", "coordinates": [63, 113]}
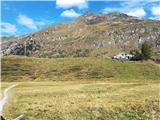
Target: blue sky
{"type": "Point", "coordinates": [23, 17]}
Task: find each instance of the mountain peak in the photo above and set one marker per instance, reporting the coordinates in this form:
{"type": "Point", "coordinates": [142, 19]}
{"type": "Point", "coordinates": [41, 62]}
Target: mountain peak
{"type": "Point", "coordinates": [118, 14]}
{"type": "Point", "coordinates": [92, 18]}
{"type": "Point", "coordinates": [114, 17]}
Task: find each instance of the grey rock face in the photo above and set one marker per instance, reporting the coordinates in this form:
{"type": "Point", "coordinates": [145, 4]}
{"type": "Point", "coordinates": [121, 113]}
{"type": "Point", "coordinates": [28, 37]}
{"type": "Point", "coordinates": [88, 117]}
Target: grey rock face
{"type": "Point", "coordinates": [25, 48]}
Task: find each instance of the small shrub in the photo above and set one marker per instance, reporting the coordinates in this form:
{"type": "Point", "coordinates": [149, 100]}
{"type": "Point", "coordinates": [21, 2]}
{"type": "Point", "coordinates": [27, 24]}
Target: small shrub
{"type": "Point", "coordinates": [146, 51]}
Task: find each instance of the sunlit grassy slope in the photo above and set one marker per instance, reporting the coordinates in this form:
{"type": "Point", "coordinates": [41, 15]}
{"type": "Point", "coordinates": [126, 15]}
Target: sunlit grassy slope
{"type": "Point", "coordinates": [15, 68]}
{"type": "Point", "coordinates": [84, 100]}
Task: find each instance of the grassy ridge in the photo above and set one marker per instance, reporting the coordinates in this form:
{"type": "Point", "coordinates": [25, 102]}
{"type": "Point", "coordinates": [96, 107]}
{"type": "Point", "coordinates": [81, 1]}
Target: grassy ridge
{"type": "Point", "coordinates": [16, 68]}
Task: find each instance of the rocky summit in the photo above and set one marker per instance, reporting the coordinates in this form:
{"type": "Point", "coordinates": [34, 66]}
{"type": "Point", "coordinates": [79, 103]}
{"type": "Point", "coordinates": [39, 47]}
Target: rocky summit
{"type": "Point", "coordinates": [90, 35]}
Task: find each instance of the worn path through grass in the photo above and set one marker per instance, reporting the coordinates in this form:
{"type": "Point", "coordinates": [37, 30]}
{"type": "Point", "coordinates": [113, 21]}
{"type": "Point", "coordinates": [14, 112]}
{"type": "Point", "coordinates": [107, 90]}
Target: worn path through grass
{"type": "Point", "coordinates": [84, 100]}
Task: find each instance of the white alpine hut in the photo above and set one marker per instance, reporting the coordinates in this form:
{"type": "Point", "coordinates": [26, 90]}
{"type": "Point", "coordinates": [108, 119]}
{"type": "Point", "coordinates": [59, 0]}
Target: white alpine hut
{"type": "Point", "coordinates": [123, 55]}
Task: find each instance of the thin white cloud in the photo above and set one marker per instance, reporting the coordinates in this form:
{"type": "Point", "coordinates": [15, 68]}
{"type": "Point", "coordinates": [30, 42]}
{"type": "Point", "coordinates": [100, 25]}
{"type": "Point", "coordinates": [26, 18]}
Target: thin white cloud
{"type": "Point", "coordinates": [26, 21]}
{"type": "Point", "coordinates": [132, 8]}
{"type": "Point", "coordinates": [155, 12]}
{"type": "Point", "coordinates": [137, 8]}
{"type": "Point", "coordinates": [65, 4]}
{"type": "Point", "coordinates": [70, 13]}
{"type": "Point", "coordinates": [41, 23]}
{"type": "Point", "coordinates": [136, 12]}
{"type": "Point", "coordinates": [8, 28]}
{"type": "Point", "coordinates": [44, 21]}
{"type": "Point", "coordinates": [33, 24]}
{"type": "Point", "coordinates": [108, 10]}
{"type": "Point", "coordinates": [139, 12]}
{"type": "Point", "coordinates": [155, 18]}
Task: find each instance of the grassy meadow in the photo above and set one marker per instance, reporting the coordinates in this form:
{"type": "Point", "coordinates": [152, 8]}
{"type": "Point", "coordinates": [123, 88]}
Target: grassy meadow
{"type": "Point", "coordinates": [84, 100]}
{"type": "Point", "coordinates": [81, 89]}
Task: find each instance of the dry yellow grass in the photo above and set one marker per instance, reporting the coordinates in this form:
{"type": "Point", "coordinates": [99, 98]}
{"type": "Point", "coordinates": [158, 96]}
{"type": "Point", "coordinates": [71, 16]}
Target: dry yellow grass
{"type": "Point", "coordinates": [84, 100]}
{"type": "Point", "coordinates": [2, 87]}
